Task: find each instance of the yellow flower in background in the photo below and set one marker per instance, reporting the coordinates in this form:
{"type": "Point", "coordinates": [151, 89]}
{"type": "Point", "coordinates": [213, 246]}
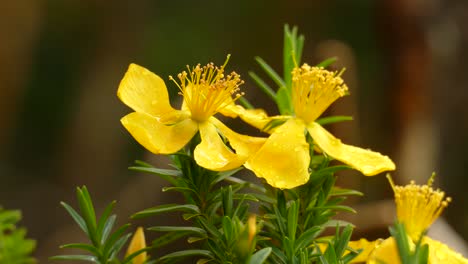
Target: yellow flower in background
{"type": "Point", "coordinates": [164, 130]}
{"type": "Point", "coordinates": [417, 208]}
{"type": "Point", "coordinates": [138, 242]}
{"type": "Point", "coordinates": [283, 161]}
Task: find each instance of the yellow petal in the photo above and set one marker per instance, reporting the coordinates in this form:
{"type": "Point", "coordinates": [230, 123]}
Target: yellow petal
{"type": "Point", "coordinates": [387, 252]}
{"type": "Point", "coordinates": [157, 137]}
{"type": "Point", "coordinates": [137, 243]}
{"type": "Point", "coordinates": [255, 117]}
{"type": "Point", "coordinates": [242, 144]}
{"type": "Point", "coordinates": [366, 246]}
{"type": "Point", "coordinates": [144, 91]}
{"type": "Point", "coordinates": [231, 110]}
{"type": "Point", "coordinates": [366, 161]}
{"type": "Point", "coordinates": [283, 160]}
{"type": "Point", "coordinates": [440, 253]}
{"type": "Point", "coordinates": [212, 153]}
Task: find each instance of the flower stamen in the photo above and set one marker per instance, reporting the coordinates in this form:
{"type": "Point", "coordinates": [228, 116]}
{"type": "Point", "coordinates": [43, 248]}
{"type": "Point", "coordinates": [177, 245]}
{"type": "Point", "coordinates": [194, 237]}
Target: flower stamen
{"type": "Point", "coordinates": [418, 206]}
{"type": "Point", "coordinates": [206, 90]}
{"type": "Point", "coordinates": [314, 90]}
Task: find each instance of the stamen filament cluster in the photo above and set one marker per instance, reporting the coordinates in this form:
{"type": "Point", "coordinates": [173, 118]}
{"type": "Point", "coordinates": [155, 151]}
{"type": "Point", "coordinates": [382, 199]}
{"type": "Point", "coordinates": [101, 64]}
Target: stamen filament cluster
{"type": "Point", "coordinates": [206, 90]}
{"type": "Point", "coordinates": [418, 206]}
{"type": "Point", "coordinates": [314, 90]}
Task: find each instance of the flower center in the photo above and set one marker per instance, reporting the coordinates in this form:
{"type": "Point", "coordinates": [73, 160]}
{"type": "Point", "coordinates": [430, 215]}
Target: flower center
{"type": "Point", "coordinates": [314, 89]}
{"type": "Point", "coordinates": [206, 90]}
{"type": "Point", "coordinates": [418, 206]}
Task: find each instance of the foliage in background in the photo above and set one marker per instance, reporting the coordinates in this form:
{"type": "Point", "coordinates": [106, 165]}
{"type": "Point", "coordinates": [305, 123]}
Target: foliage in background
{"type": "Point", "coordinates": [105, 244]}
{"type": "Point", "coordinates": [15, 248]}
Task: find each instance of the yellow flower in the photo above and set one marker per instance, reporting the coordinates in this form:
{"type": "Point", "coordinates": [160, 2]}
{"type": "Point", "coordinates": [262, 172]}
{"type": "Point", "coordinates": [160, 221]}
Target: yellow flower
{"type": "Point", "coordinates": [417, 208]}
{"type": "Point", "coordinates": [164, 130]}
{"type": "Point", "coordinates": [283, 161]}
{"type": "Point", "coordinates": [138, 242]}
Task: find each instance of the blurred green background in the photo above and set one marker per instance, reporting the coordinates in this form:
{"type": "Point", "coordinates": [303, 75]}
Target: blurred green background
{"type": "Point", "coordinates": [62, 62]}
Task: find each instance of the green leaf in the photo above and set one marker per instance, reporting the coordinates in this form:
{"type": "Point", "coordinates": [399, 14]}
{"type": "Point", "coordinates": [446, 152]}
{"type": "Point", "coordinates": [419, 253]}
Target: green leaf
{"type": "Point", "coordinates": [333, 119]}
{"type": "Point", "coordinates": [187, 229]}
{"type": "Point", "coordinates": [103, 222]}
{"type": "Point", "coordinates": [306, 238]}
{"type": "Point", "coordinates": [228, 228]}
{"type": "Point", "coordinates": [337, 191]}
{"type": "Point", "coordinates": [114, 237]}
{"type": "Point", "coordinates": [335, 207]}
{"type": "Point", "coordinates": [272, 73]}
{"type": "Point", "coordinates": [292, 53]}
{"type": "Point", "coordinates": [108, 228]}
{"type": "Point", "coordinates": [293, 214]}
{"type": "Point", "coordinates": [327, 62]}
{"type": "Point", "coordinates": [87, 247]}
{"type": "Point", "coordinates": [118, 245]}
{"type": "Point", "coordinates": [167, 175]}
{"type": "Point", "coordinates": [188, 253]}
{"type": "Point", "coordinates": [342, 240]}
{"type": "Point", "coordinates": [209, 227]}
{"type": "Point", "coordinates": [284, 101]}
{"type": "Point", "coordinates": [263, 85]}
{"type": "Point", "coordinates": [78, 219]}
{"type": "Point", "coordinates": [227, 200]}
{"type": "Point", "coordinates": [260, 256]}
{"type": "Point", "coordinates": [75, 257]}
{"type": "Point", "coordinates": [178, 189]}
{"type": "Point", "coordinates": [245, 103]}
{"type": "Point", "coordinates": [335, 223]}
{"type": "Point", "coordinates": [190, 208]}
{"type": "Point", "coordinates": [168, 238]}
{"type": "Point", "coordinates": [87, 211]}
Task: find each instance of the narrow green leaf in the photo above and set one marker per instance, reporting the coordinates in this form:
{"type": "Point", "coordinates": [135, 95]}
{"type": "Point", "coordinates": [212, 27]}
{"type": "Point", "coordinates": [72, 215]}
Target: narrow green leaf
{"type": "Point", "coordinates": [86, 247]}
{"type": "Point", "coordinates": [248, 184]}
{"type": "Point", "coordinates": [108, 228]}
{"type": "Point", "coordinates": [306, 238]}
{"type": "Point", "coordinates": [103, 221]}
{"type": "Point", "coordinates": [245, 103]}
{"type": "Point", "coordinates": [337, 191]}
{"type": "Point", "coordinates": [188, 253]}
{"type": "Point", "coordinates": [342, 240]}
{"type": "Point", "coordinates": [167, 175]}
{"type": "Point", "coordinates": [284, 101]}
{"type": "Point", "coordinates": [118, 245]}
{"type": "Point", "coordinates": [168, 238]}
{"type": "Point", "coordinates": [227, 201]}
{"type": "Point", "coordinates": [190, 208]}
{"type": "Point", "coordinates": [78, 219]}
{"type": "Point", "coordinates": [327, 62]}
{"type": "Point", "coordinates": [333, 119]}
{"type": "Point", "coordinates": [279, 255]}
{"type": "Point", "coordinates": [209, 227]}
{"type": "Point", "coordinates": [260, 256]}
{"type": "Point", "coordinates": [187, 229]}
{"type": "Point", "coordinates": [228, 229]}
{"type": "Point", "coordinates": [272, 73]}
{"type": "Point", "coordinates": [335, 207]}
{"type": "Point", "coordinates": [226, 174]}
{"type": "Point", "coordinates": [75, 257]}
{"type": "Point", "coordinates": [178, 189]}
{"type": "Point", "coordinates": [87, 210]}
{"type": "Point", "coordinates": [293, 213]}
{"type": "Point", "coordinates": [114, 237]}
{"type": "Point", "coordinates": [263, 85]}
{"type": "Point", "coordinates": [334, 223]}
{"type": "Point", "coordinates": [129, 258]}
{"type": "Point", "coordinates": [330, 255]}
{"type": "Point", "coordinates": [143, 164]}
